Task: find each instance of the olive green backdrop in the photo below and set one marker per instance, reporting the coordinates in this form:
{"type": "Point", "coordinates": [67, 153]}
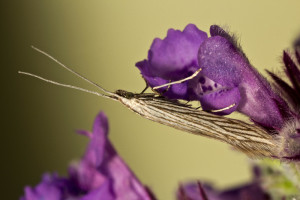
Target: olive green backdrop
{"type": "Point", "coordinates": [103, 40]}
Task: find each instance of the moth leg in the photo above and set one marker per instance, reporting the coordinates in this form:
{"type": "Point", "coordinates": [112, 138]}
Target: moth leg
{"type": "Point", "coordinates": [166, 88]}
{"type": "Point", "coordinates": [179, 81]}
{"type": "Point", "coordinates": [222, 109]}
{"type": "Point", "coordinates": [156, 92]}
{"type": "Point", "coordinates": [198, 107]}
{"type": "Point", "coordinates": [186, 103]}
{"type": "Point", "coordinates": [162, 92]}
{"type": "Point", "coordinates": [147, 86]}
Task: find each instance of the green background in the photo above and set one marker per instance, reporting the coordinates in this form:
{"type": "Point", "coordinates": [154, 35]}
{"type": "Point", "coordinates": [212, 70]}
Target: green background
{"type": "Point", "coordinates": [103, 40]}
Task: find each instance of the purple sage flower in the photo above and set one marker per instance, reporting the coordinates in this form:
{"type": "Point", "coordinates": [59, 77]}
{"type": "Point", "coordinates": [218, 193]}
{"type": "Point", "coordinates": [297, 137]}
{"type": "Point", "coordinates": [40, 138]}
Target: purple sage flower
{"type": "Point", "coordinates": [100, 174]}
{"type": "Point", "coordinates": [173, 58]}
{"type": "Point", "coordinates": [227, 80]}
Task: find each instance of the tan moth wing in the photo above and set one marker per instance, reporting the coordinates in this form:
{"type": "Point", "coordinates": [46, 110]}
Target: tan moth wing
{"type": "Point", "coordinates": [248, 138]}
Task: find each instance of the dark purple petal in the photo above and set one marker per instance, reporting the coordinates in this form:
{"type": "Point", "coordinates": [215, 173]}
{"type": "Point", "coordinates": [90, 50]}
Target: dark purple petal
{"type": "Point", "coordinates": [289, 93]}
{"type": "Point", "coordinates": [250, 192]}
{"type": "Point", "coordinates": [292, 70]}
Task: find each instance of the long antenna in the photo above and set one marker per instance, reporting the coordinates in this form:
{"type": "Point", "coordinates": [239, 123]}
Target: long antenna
{"type": "Point", "coordinates": [66, 85]}
{"type": "Point", "coordinates": [72, 71]}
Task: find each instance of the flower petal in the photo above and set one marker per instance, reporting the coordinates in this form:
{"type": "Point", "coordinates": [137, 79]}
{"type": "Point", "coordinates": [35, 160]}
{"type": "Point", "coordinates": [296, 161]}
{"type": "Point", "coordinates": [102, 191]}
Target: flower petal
{"type": "Point", "coordinates": [250, 191]}
{"type": "Point", "coordinates": [172, 59]}
{"type": "Point", "coordinates": [221, 99]}
{"type": "Point", "coordinates": [50, 188]}
{"type": "Point", "coordinates": [104, 192]}
{"type": "Point", "coordinates": [100, 174]}
{"type": "Point", "coordinates": [223, 63]}
{"type": "Point", "coordinates": [176, 53]}
{"type": "Point", "coordinates": [125, 184]}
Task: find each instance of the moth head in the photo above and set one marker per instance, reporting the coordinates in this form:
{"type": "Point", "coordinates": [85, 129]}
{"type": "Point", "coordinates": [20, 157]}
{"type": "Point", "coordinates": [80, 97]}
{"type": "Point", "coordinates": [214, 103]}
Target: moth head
{"type": "Point", "coordinates": [289, 146]}
{"type": "Point", "coordinates": [123, 93]}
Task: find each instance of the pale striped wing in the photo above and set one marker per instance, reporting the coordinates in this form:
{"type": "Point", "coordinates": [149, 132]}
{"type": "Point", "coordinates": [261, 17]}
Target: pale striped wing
{"type": "Point", "coordinates": [248, 138]}
{"type": "Point", "coordinates": [245, 137]}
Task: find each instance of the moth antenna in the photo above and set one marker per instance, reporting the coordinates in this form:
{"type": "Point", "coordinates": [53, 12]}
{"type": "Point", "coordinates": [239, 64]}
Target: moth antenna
{"type": "Point", "coordinates": [72, 71]}
{"type": "Point", "coordinates": [179, 81]}
{"type": "Point", "coordinates": [222, 109]}
{"type": "Point", "coordinates": [66, 85]}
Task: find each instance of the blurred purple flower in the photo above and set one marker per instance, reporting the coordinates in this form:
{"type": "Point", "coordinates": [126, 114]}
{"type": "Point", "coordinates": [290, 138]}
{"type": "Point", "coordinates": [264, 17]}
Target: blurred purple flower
{"type": "Point", "coordinates": [100, 174]}
{"type": "Point", "coordinates": [248, 191]}
{"type": "Point", "coordinates": [50, 188]}
{"type": "Point", "coordinates": [195, 191]}
{"type": "Point", "coordinates": [227, 78]}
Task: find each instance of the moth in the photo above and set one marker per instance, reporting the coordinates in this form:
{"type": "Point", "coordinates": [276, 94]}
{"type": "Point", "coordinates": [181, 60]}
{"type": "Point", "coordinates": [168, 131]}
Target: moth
{"type": "Point", "coordinates": [247, 138]}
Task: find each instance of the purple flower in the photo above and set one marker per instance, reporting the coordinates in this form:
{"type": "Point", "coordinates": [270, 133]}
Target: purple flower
{"type": "Point", "coordinates": [173, 58]}
{"type": "Point", "coordinates": [227, 79]}
{"type": "Point", "coordinates": [195, 191]}
{"type": "Point", "coordinates": [225, 63]}
{"type": "Point", "coordinates": [100, 174]}
{"type": "Point", "coordinates": [50, 188]}
{"type": "Point", "coordinates": [250, 191]}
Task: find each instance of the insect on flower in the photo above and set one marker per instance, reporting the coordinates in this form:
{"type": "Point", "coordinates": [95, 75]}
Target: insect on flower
{"type": "Point", "coordinates": [238, 86]}
{"type": "Point", "coordinates": [248, 138]}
